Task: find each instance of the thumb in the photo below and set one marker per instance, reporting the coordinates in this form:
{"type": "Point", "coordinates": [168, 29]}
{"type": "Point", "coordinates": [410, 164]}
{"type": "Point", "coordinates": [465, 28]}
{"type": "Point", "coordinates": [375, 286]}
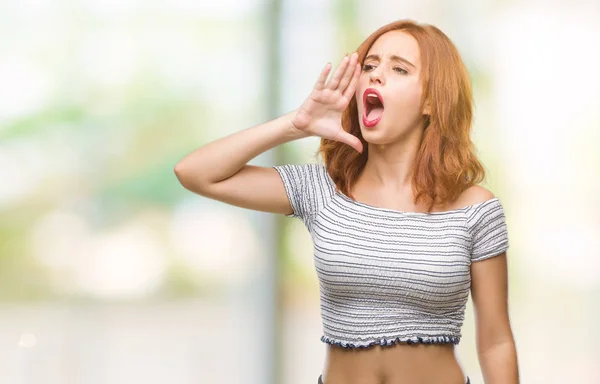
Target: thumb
{"type": "Point", "coordinates": [351, 140]}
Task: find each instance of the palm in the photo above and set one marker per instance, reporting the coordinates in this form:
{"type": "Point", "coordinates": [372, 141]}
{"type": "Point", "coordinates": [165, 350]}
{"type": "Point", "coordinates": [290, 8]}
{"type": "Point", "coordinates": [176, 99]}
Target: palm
{"type": "Point", "coordinates": [321, 113]}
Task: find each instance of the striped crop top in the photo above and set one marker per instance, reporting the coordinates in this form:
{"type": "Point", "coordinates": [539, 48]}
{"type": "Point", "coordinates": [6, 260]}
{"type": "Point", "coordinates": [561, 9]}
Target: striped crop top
{"type": "Point", "coordinates": [388, 276]}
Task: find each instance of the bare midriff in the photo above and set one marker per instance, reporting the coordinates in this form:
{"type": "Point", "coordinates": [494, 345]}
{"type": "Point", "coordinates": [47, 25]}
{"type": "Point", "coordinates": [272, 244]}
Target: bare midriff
{"type": "Point", "coordinates": [397, 364]}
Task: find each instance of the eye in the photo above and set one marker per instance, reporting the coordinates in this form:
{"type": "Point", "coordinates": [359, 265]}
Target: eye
{"type": "Point", "coordinates": [368, 67]}
{"type": "Point", "coordinates": [400, 70]}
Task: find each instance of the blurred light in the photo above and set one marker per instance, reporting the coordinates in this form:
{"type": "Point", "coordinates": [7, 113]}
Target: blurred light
{"type": "Point", "coordinates": [110, 57]}
{"type": "Point", "coordinates": [27, 340]}
{"type": "Point", "coordinates": [219, 242]}
{"type": "Point", "coordinates": [202, 7]}
{"type": "Point", "coordinates": [28, 161]}
{"type": "Point", "coordinates": [567, 256]}
{"type": "Point", "coordinates": [123, 263]}
{"type": "Point", "coordinates": [25, 86]}
{"type": "Point", "coordinates": [302, 251]}
{"type": "Point", "coordinates": [126, 263]}
{"type": "Point", "coordinates": [548, 94]}
{"type": "Point", "coordinates": [21, 162]}
{"type": "Point", "coordinates": [59, 238]}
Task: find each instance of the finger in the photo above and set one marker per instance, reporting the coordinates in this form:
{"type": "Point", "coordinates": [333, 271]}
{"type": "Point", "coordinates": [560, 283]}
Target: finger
{"type": "Point", "coordinates": [351, 140]}
{"type": "Point", "coordinates": [320, 84]}
{"type": "Point", "coordinates": [348, 73]}
{"type": "Point", "coordinates": [335, 80]}
{"type": "Point", "coordinates": [349, 91]}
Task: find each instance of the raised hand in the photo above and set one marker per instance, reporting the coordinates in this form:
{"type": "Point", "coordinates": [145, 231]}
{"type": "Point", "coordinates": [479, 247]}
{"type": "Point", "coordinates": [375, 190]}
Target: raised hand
{"type": "Point", "coordinates": [321, 113]}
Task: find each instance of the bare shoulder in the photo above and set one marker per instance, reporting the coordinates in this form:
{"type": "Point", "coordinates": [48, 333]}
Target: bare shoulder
{"type": "Point", "coordinates": [475, 194]}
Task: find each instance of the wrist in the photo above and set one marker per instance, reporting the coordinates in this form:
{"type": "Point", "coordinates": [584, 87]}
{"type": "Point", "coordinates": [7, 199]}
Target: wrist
{"type": "Point", "coordinates": [291, 127]}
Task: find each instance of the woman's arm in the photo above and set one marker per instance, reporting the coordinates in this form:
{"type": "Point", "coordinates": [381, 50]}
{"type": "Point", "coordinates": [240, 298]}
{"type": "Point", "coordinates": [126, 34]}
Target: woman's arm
{"type": "Point", "coordinates": [209, 169]}
{"type": "Point", "coordinates": [219, 169]}
{"type": "Point", "coordinates": [495, 343]}
{"type": "Point", "coordinates": [224, 157]}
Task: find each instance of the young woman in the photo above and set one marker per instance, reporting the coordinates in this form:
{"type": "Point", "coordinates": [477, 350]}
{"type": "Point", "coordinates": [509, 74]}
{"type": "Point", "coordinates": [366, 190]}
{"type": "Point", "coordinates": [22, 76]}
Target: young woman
{"type": "Point", "coordinates": [401, 230]}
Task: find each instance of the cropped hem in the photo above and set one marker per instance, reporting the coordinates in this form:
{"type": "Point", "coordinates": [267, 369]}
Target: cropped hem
{"type": "Point", "coordinates": [386, 341]}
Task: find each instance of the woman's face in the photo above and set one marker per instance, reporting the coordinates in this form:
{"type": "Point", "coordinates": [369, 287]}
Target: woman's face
{"type": "Point", "coordinates": [388, 93]}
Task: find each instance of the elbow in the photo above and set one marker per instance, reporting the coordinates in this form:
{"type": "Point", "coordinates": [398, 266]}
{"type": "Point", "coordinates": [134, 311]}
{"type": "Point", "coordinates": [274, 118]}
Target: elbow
{"type": "Point", "coordinates": [179, 170]}
{"type": "Point", "coordinates": [185, 177]}
{"type": "Point", "coordinates": [180, 174]}
{"type": "Point", "coordinates": [499, 341]}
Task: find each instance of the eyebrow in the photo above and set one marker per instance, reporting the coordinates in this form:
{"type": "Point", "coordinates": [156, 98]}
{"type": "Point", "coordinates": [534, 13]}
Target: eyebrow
{"type": "Point", "coordinates": [392, 57]}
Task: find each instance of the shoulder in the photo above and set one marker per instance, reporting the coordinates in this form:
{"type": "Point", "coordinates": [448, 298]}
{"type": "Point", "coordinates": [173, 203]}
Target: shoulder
{"type": "Point", "coordinates": [475, 194]}
{"type": "Point", "coordinates": [306, 176]}
{"type": "Point", "coordinates": [482, 208]}
{"type": "Point", "coordinates": [303, 172]}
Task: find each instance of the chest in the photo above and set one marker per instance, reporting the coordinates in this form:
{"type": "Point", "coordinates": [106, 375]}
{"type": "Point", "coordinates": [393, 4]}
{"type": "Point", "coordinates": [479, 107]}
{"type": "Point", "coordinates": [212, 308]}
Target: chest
{"type": "Point", "coordinates": [396, 201]}
{"type": "Point", "coordinates": [366, 253]}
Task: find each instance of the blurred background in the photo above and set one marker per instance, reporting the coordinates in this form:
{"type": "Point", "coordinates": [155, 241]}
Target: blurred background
{"type": "Point", "coordinates": [111, 272]}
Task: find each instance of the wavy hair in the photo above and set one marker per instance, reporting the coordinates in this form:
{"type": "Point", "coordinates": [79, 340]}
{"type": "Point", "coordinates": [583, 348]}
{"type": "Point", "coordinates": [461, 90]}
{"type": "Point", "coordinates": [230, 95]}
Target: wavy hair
{"type": "Point", "coordinates": [446, 164]}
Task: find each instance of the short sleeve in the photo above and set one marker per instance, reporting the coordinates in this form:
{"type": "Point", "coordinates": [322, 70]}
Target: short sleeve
{"type": "Point", "coordinates": [308, 189]}
{"type": "Point", "coordinates": [486, 224]}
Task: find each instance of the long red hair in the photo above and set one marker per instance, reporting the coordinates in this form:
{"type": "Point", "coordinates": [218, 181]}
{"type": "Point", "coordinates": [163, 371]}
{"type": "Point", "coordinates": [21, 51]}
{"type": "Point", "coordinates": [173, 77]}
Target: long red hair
{"type": "Point", "coordinates": [446, 164]}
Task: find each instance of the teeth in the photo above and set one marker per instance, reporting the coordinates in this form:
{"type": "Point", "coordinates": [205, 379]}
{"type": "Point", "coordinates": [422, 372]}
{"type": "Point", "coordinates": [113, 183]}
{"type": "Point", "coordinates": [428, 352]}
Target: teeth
{"type": "Point", "coordinates": [373, 99]}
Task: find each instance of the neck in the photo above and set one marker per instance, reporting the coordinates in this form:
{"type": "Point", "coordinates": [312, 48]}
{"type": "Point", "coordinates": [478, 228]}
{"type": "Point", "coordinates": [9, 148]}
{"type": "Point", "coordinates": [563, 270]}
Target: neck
{"type": "Point", "coordinates": [391, 166]}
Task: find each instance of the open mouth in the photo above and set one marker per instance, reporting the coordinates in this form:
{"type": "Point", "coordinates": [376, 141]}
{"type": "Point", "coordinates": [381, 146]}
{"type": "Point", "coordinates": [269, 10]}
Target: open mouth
{"type": "Point", "coordinates": [373, 107]}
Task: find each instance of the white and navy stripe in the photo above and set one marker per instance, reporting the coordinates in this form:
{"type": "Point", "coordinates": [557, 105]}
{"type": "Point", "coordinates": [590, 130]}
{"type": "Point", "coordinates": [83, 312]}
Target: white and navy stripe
{"type": "Point", "coordinates": [388, 276]}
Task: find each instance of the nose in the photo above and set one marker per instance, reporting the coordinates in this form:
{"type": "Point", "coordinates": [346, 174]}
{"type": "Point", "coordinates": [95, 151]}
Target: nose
{"type": "Point", "coordinates": [376, 76]}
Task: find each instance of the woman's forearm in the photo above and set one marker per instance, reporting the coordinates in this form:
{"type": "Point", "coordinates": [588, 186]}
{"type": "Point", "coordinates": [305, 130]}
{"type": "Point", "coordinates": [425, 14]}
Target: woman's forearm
{"type": "Point", "coordinates": [224, 157]}
{"type": "Point", "coordinates": [499, 364]}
